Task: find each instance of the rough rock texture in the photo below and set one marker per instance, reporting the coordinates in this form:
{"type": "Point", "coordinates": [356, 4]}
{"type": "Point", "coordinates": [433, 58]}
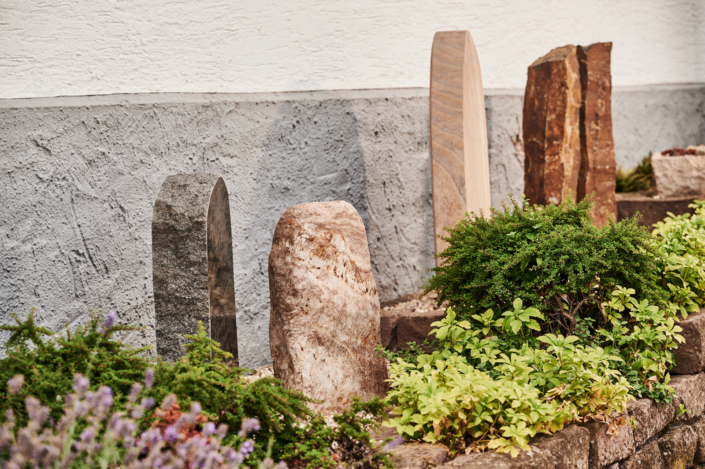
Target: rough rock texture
{"type": "Point", "coordinates": [459, 147]}
{"type": "Point", "coordinates": [651, 417]}
{"type": "Point", "coordinates": [388, 322]}
{"type": "Point", "coordinates": [651, 209]}
{"type": "Point", "coordinates": [418, 456]}
{"type": "Point", "coordinates": [606, 449]}
{"type": "Point", "coordinates": [699, 428]}
{"type": "Point", "coordinates": [570, 447]}
{"type": "Point", "coordinates": [77, 235]}
{"type": "Point", "coordinates": [552, 127]}
{"type": "Point", "coordinates": [598, 167]}
{"type": "Point", "coordinates": [415, 328]}
{"type": "Point", "coordinates": [678, 447]}
{"type": "Point", "coordinates": [690, 356]}
{"type": "Point", "coordinates": [646, 457]}
{"type": "Point", "coordinates": [324, 323]}
{"type": "Point", "coordinates": [678, 176]}
{"type": "Point", "coordinates": [535, 459]}
{"type": "Point", "coordinates": [690, 391]}
{"type": "Point", "coordinates": [192, 258]}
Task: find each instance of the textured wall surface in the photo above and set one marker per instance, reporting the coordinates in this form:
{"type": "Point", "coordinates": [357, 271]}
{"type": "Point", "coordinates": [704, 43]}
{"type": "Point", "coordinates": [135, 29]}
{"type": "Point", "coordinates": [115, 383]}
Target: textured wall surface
{"type": "Point", "coordinates": [79, 177]}
{"type": "Point", "coordinates": [89, 47]}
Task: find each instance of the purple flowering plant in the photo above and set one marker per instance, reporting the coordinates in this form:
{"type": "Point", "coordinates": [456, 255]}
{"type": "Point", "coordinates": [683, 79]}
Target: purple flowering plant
{"type": "Point", "coordinates": [111, 439]}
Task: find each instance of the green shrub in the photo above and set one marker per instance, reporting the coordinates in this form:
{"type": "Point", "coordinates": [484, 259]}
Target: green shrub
{"type": "Point", "coordinates": [638, 179]}
{"type": "Point", "coordinates": [551, 257]}
{"type": "Point", "coordinates": [442, 397]}
{"type": "Point", "coordinates": [203, 375]}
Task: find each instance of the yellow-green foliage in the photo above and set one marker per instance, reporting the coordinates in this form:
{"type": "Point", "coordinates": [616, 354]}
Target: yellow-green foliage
{"type": "Point", "coordinates": [443, 398]}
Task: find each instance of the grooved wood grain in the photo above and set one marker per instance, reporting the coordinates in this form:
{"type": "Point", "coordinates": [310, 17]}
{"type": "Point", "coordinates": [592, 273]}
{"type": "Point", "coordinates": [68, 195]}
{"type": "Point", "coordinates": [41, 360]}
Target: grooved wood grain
{"type": "Point", "coordinates": [598, 168]}
{"type": "Point", "coordinates": [459, 153]}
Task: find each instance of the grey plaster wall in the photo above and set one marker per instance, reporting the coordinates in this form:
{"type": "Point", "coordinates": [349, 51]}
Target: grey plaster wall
{"type": "Point", "coordinates": [79, 176]}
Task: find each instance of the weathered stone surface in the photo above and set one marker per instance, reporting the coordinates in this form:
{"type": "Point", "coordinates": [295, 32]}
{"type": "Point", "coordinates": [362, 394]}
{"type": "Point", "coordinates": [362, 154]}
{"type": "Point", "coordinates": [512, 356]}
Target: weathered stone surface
{"type": "Point", "coordinates": [678, 447]}
{"type": "Point", "coordinates": [459, 150]}
{"type": "Point", "coordinates": [552, 127]}
{"type": "Point", "coordinates": [598, 167]}
{"type": "Point", "coordinates": [606, 449]}
{"type": "Point", "coordinates": [570, 448]}
{"type": "Point", "coordinates": [535, 459]}
{"type": "Point", "coordinates": [652, 209]}
{"type": "Point", "coordinates": [646, 457]}
{"type": "Point", "coordinates": [324, 322]}
{"type": "Point", "coordinates": [690, 391]}
{"type": "Point", "coordinates": [419, 456]}
{"type": "Point", "coordinates": [192, 259]}
{"type": "Point", "coordinates": [699, 428]}
{"type": "Point", "coordinates": [678, 176]}
{"type": "Point", "coordinates": [415, 328]}
{"type": "Point", "coordinates": [690, 356]}
{"type": "Point", "coordinates": [650, 417]}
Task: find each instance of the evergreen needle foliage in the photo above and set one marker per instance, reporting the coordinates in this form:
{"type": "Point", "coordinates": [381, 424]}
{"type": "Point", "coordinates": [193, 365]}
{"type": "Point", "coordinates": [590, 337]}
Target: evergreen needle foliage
{"type": "Point", "coordinates": [551, 257]}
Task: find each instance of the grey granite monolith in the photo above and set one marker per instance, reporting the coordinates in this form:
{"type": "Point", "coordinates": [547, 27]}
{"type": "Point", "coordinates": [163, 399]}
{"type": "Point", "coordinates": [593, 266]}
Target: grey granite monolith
{"type": "Point", "coordinates": [192, 259]}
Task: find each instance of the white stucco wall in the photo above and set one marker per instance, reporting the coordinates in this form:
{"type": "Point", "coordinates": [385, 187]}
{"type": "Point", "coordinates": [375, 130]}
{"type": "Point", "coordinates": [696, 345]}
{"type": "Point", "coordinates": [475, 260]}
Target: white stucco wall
{"type": "Point", "coordinates": [84, 47]}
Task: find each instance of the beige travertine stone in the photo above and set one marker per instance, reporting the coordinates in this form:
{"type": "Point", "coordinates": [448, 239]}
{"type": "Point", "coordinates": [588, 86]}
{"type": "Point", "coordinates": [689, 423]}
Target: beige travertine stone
{"type": "Point", "coordinates": [552, 127]}
{"type": "Point", "coordinates": [192, 260]}
{"type": "Point", "coordinates": [598, 168]}
{"type": "Point", "coordinates": [678, 176]}
{"type": "Point", "coordinates": [324, 322]}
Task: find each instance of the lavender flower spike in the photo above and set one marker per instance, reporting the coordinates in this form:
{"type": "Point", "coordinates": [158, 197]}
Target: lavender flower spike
{"type": "Point", "coordinates": [109, 321]}
{"type": "Point", "coordinates": [249, 426]}
{"type": "Point", "coordinates": [80, 384]}
{"type": "Point", "coordinates": [15, 384]}
{"type": "Point", "coordinates": [393, 444]}
{"type": "Point", "coordinates": [149, 378]}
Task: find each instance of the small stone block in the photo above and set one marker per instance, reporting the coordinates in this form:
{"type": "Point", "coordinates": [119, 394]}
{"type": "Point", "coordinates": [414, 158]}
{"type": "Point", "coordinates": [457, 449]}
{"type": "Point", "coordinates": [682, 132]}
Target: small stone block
{"type": "Point", "coordinates": [418, 456]}
{"type": "Point", "coordinates": [690, 391]}
{"type": "Point", "coordinates": [678, 447]}
{"type": "Point", "coordinates": [690, 356]}
{"type": "Point", "coordinates": [699, 428]}
{"type": "Point", "coordinates": [534, 459]}
{"type": "Point", "coordinates": [646, 457]}
{"type": "Point", "coordinates": [650, 417]}
{"type": "Point", "coordinates": [569, 447]}
{"type": "Point", "coordinates": [606, 449]}
{"type": "Point", "coordinates": [388, 321]}
{"type": "Point", "coordinates": [416, 327]}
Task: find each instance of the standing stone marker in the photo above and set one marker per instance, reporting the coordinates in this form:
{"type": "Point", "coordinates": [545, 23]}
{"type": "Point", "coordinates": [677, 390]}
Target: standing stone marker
{"type": "Point", "coordinates": [324, 323]}
{"type": "Point", "coordinates": [192, 259]}
{"type": "Point", "coordinates": [552, 127]}
{"type": "Point", "coordinates": [598, 168]}
{"type": "Point", "coordinates": [459, 151]}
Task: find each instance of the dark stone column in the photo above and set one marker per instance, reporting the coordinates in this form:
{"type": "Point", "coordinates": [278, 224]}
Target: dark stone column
{"type": "Point", "coordinates": [552, 127]}
{"type": "Point", "coordinates": [192, 260]}
{"type": "Point", "coordinates": [598, 168]}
